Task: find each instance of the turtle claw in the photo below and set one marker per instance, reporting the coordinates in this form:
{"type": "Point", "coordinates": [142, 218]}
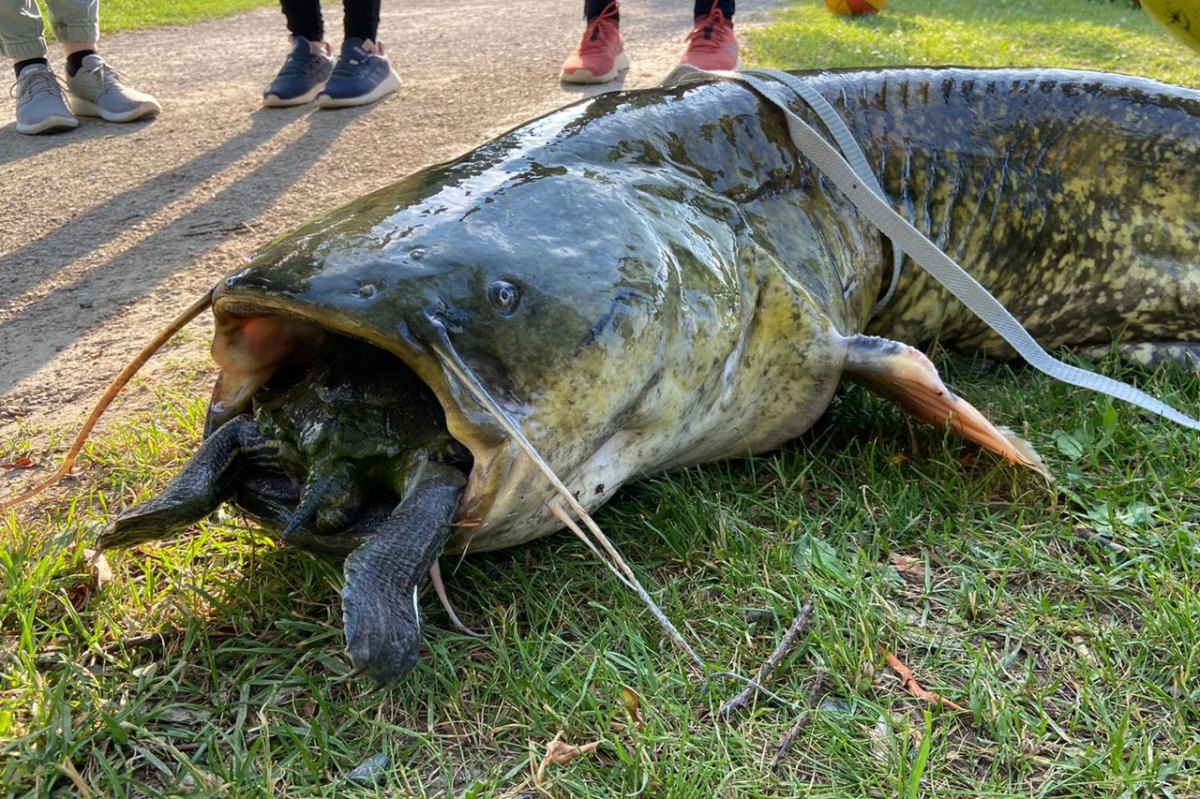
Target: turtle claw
{"type": "Point", "coordinates": [378, 645]}
{"type": "Point", "coordinates": [383, 576]}
{"type": "Point", "coordinates": [208, 479]}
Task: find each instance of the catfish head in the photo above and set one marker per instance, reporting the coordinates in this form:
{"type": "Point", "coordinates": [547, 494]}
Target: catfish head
{"type": "Point", "coordinates": [557, 290]}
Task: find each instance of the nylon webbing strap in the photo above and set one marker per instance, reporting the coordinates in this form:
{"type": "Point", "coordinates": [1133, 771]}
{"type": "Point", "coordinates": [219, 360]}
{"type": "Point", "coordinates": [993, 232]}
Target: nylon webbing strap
{"type": "Point", "coordinates": [869, 199]}
{"type": "Point", "coordinates": [845, 141]}
{"type": "Point", "coordinates": [829, 117]}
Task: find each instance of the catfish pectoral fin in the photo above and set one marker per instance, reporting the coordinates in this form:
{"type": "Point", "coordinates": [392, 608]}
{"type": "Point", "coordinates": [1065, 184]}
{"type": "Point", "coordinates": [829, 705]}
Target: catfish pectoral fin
{"type": "Point", "coordinates": [208, 479]}
{"type": "Point", "coordinates": [379, 603]}
{"type": "Point", "coordinates": [904, 375]}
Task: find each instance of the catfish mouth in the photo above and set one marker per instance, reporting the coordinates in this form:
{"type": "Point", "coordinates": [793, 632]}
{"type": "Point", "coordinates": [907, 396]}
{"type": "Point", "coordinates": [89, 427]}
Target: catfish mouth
{"type": "Point", "coordinates": [263, 345]}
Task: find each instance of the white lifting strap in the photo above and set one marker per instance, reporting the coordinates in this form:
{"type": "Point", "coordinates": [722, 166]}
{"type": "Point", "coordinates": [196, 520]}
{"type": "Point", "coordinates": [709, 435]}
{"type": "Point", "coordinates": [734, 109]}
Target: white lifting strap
{"type": "Point", "coordinates": [862, 188]}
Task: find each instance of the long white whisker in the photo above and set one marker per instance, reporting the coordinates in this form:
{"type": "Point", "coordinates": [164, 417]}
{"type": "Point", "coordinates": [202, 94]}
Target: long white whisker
{"type": "Point", "coordinates": [444, 349]}
{"type": "Point", "coordinates": [571, 525]}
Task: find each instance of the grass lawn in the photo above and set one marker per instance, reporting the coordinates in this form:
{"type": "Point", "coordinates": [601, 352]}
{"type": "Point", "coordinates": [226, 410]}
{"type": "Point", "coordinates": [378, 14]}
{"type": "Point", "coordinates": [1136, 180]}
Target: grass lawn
{"type": "Point", "coordinates": [125, 15]}
{"type": "Point", "coordinates": [1063, 621]}
{"type": "Point", "coordinates": [1096, 34]}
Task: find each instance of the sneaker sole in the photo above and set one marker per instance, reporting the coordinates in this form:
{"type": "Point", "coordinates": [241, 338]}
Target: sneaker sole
{"type": "Point", "coordinates": [736, 65]}
{"type": "Point", "coordinates": [385, 87]}
{"type": "Point", "coordinates": [86, 108]}
{"type": "Point", "coordinates": [275, 101]}
{"type": "Point", "coordinates": [49, 125]}
{"type": "Point", "coordinates": [620, 64]}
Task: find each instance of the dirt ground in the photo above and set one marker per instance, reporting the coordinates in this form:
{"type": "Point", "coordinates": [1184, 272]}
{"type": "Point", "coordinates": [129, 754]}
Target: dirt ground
{"type": "Point", "coordinates": [110, 230]}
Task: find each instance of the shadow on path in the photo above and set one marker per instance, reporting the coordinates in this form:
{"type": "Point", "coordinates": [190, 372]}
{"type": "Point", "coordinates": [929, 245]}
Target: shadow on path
{"type": "Point", "coordinates": [171, 249]}
{"type": "Point", "coordinates": [19, 146]}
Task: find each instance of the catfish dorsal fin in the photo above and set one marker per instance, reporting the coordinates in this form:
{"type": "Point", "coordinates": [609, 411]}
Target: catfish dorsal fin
{"type": "Point", "coordinates": [903, 374]}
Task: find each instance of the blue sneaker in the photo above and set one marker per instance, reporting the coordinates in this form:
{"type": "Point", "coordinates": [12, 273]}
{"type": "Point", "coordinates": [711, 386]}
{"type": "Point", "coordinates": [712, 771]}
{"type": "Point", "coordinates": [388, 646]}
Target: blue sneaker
{"type": "Point", "coordinates": [363, 74]}
{"type": "Point", "coordinates": [303, 74]}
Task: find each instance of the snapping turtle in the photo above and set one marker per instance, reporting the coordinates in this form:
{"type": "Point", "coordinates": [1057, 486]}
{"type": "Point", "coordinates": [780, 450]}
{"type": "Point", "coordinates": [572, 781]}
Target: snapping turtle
{"type": "Point", "coordinates": [347, 454]}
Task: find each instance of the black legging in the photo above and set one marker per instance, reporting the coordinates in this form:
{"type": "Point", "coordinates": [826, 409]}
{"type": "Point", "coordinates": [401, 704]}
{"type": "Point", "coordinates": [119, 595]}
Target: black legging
{"type": "Point", "coordinates": [304, 19]}
{"type": "Point", "coordinates": [593, 8]}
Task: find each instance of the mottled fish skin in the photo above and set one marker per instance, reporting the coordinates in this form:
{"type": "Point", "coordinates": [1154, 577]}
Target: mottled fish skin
{"type": "Point", "coordinates": [684, 280]}
{"type": "Point", "coordinates": [1071, 195]}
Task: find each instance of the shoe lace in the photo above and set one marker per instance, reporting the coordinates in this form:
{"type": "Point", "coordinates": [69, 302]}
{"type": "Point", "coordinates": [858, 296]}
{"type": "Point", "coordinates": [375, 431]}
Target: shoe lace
{"type": "Point", "coordinates": [712, 34]}
{"type": "Point", "coordinates": [349, 66]}
{"type": "Point", "coordinates": [297, 64]}
{"type": "Point", "coordinates": [36, 81]}
{"type": "Point", "coordinates": [597, 33]}
{"type": "Point", "coordinates": [108, 76]}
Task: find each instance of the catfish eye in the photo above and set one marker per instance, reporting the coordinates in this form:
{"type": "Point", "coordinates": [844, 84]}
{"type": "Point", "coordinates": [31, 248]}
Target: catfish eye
{"type": "Point", "coordinates": [504, 296]}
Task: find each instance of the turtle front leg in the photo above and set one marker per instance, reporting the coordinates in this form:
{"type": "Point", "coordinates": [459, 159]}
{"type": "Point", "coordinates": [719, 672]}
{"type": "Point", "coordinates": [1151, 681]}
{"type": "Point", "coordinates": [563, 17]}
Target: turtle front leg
{"type": "Point", "coordinates": [379, 602]}
{"type": "Point", "coordinates": [209, 478]}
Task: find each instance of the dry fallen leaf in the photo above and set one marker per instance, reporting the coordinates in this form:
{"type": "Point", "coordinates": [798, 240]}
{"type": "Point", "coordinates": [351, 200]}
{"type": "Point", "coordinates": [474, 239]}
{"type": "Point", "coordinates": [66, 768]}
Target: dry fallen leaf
{"type": "Point", "coordinates": [633, 704]}
{"type": "Point", "coordinates": [104, 572]}
{"type": "Point", "coordinates": [912, 686]}
{"type": "Point", "coordinates": [19, 463]}
{"type": "Point", "coordinates": [561, 753]}
{"type": "Point", "coordinates": [78, 596]}
{"type": "Point", "coordinates": [909, 566]}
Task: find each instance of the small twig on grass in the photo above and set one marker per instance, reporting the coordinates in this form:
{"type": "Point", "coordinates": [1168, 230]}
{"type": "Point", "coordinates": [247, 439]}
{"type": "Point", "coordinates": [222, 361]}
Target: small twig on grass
{"type": "Point", "coordinates": [789, 738]}
{"type": "Point", "coordinates": [912, 686]}
{"type": "Point", "coordinates": [760, 679]}
{"type": "Point", "coordinates": [68, 768]}
{"type": "Point", "coordinates": [1083, 531]}
{"type": "Point", "coordinates": [154, 645]}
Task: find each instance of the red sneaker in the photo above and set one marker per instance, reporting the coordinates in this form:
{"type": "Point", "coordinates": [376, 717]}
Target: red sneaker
{"type": "Point", "coordinates": [711, 44]}
{"type": "Point", "coordinates": [600, 56]}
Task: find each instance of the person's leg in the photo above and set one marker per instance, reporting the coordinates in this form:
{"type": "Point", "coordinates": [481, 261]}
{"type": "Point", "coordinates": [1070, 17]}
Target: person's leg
{"type": "Point", "coordinates": [600, 55]}
{"type": "Point", "coordinates": [309, 64]}
{"type": "Point", "coordinates": [41, 107]}
{"type": "Point", "coordinates": [361, 20]}
{"type": "Point", "coordinates": [363, 73]}
{"type": "Point", "coordinates": [21, 36]}
{"type": "Point", "coordinates": [76, 23]}
{"type": "Point", "coordinates": [304, 19]}
{"type": "Point", "coordinates": [702, 8]}
{"type": "Point", "coordinates": [712, 43]}
{"type": "Point", "coordinates": [96, 89]}
{"type": "Point", "coordinates": [594, 8]}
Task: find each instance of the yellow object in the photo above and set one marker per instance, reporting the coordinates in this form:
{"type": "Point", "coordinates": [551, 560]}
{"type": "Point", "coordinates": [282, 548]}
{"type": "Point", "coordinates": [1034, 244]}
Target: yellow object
{"type": "Point", "coordinates": [854, 8]}
{"type": "Point", "coordinates": [1180, 17]}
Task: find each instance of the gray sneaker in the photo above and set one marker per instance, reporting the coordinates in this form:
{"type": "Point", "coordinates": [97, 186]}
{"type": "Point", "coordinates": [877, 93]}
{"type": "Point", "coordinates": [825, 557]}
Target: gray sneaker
{"type": "Point", "coordinates": [41, 107]}
{"type": "Point", "coordinates": [97, 91]}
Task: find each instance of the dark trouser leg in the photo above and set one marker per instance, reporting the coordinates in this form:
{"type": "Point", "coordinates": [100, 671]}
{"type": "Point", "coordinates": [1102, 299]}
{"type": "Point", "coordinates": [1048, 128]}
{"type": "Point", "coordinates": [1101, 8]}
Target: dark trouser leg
{"type": "Point", "coordinates": [362, 19]}
{"type": "Point", "coordinates": [304, 19]}
{"type": "Point", "coordinates": [594, 8]}
{"type": "Point", "coordinates": [703, 7]}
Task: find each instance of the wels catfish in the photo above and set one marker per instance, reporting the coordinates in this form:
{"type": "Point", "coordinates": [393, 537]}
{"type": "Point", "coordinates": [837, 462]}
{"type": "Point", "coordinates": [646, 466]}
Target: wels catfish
{"type": "Point", "coordinates": [652, 279]}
